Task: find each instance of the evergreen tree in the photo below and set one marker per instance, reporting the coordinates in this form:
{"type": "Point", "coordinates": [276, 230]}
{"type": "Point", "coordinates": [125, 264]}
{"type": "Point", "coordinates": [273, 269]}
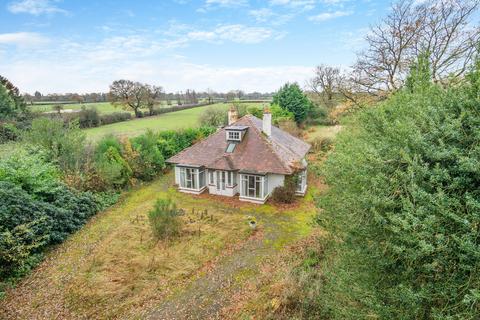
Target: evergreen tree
{"type": "Point", "coordinates": [291, 98]}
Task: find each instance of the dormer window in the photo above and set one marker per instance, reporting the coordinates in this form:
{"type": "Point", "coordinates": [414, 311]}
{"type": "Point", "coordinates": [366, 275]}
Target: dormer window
{"type": "Point", "coordinates": [234, 135]}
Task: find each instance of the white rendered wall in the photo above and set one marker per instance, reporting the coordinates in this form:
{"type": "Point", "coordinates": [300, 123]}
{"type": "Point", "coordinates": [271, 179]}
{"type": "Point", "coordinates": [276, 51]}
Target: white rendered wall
{"type": "Point", "coordinates": [274, 180]}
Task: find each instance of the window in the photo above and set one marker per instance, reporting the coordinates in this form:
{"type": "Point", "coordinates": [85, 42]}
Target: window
{"type": "Point", "coordinates": [233, 135]}
{"type": "Point", "coordinates": [253, 186]}
{"type": "Point", "coordinates": [302, 181]}
{"type": "Point", "coordinates": [192, 178]}
{"type": "Point", "coordinates": [211, 176]}
{"type": "Point", "coordinates": [230, 147]}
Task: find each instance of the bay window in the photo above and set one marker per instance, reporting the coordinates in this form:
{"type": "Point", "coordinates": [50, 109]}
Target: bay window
{"type": "Point", "coordinates": [192, 178]}
{"type": "Point", "coordinates": [253, 186]}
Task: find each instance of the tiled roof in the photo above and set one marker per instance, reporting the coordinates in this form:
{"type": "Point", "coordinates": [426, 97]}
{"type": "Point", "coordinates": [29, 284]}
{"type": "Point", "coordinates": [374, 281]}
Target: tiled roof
{"type": "Point", "coordinates": [280, 153]}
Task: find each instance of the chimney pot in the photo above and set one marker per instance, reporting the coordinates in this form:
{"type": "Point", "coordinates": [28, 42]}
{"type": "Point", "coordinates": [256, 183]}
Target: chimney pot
{"type": "Point", "coordinates": [267, 122]}
{"type": "Point", "coordinates": [232, 115]}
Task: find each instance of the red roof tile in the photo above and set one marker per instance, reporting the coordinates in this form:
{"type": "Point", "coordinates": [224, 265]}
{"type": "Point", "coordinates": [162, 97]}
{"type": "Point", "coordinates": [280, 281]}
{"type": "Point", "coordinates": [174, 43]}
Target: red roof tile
{"type": "Point", "coordinates": [279, 153]}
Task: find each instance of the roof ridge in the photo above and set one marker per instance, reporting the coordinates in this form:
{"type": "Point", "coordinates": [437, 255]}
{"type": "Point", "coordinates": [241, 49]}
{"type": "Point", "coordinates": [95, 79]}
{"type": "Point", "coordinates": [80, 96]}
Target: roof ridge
{"type": "Point", "coordinates": [268, 143]}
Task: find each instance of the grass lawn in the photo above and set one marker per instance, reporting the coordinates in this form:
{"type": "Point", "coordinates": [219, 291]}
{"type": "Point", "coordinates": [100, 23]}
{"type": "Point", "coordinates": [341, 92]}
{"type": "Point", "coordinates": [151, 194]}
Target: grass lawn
{"type": "Point", "coordinates": [114, 268]}
{"type": "Point", "coordinates": [102, 107]}
{"type": "Point", "coordinates": [172, 120]}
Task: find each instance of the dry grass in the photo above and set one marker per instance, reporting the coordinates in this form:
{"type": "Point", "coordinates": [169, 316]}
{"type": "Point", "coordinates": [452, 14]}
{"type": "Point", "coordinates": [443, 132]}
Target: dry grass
{"type": "Point", "coordinates": [322, 132]}
{"type": "Point", "coordinates": [114, 267]}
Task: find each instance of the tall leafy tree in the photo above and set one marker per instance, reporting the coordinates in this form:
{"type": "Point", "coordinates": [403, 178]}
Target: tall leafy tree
{"type": "Point", "coordinates": [290, 97]}
{"type": "Point", "coordinates": [12, 104]}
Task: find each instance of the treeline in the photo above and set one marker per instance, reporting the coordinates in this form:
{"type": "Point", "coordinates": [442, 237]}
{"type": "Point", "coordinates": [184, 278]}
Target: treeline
{"type": "Point", "coordinates": [188, 96]}
{"type": "Point", "coordinates": [55, 181]}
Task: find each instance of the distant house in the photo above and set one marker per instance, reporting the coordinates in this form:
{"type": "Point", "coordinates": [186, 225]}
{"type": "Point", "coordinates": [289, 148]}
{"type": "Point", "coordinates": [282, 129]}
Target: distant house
{"type": "Point", "coordinates": [249, 157]}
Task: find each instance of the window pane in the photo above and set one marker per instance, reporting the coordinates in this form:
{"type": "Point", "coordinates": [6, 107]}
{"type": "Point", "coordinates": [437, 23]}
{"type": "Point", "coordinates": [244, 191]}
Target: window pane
{"type": "Point", "coordinates": [201, 179]}
{"type": "Point", "coordinates": [182, 177]}
{"type": "Point", "coordinates": [257, 187]}
{"type": "Point", "coordinates": [194, 179]}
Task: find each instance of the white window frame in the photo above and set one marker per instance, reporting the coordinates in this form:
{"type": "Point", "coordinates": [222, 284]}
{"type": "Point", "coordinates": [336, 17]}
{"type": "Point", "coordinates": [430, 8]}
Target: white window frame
{"type": "Point", "coordinates": [262, 183]}
{"type": "Point", "coordinates": [234, 135]}
{"type": "Point", "coordinates": [192, 176]}
{"type": "Point", "coordinates": [211, 177]}
{"type": "Point", "coordinates": [302, 181]}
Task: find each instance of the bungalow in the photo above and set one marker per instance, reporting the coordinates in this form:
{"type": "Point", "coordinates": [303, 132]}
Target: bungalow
{"type": "Point", "coordinates": [249, 157]}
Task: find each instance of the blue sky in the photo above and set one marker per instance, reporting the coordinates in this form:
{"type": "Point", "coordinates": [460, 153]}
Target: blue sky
{"type": "Point", "coordinates": [82, 45]}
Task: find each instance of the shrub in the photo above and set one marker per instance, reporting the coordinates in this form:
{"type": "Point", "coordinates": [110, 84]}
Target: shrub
{"type": "Point", "coordinates": [113, 169]}
{"type": "Point", "coordinates": [165, 219]}
{"type": "Point", "coordinates": [255, 111]}
{"type": "Point", "coordinates": [105, 143]}
{"type": "Point", "coordinates": [89, 118]}
{"type": "Point", "coordinates": [36, 213]}
{"type": "Point", "coordinates": [30, 170]}
{"type": "Point", "coordinates": [8, 132]}
{"type": "Point", "coordinates": [403, 205]}
{"type": "Point", "coordinates": [285, 193]}
{"type": "Point", "coordinates": [64, 144]}
{"type": "Point", "coordinates": [318, 115]}
{"type": "Point", "coordinates": [115, 117]}
{"type": "Point", "coordinates": [321, 144]}
{"type": "Point", "coordinates": [279, 115]}
{"type": "Point", "coordinates": [150, 161]}
{"type": "Point", "coordinates": [17, 246]}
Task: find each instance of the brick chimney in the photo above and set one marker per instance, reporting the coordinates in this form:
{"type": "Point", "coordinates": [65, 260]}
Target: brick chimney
{"type": "Point", "coordinates": [232, 115]}
{"type": "Point", "coordinates": [267, 122]}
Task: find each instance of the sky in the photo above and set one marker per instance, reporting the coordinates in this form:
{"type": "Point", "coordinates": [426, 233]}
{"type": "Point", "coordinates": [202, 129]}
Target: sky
{"type": "Point", "coordinates": [60, 46]}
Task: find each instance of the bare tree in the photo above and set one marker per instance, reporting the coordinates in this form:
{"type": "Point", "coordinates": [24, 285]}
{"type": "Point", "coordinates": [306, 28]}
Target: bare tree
{"type": "Point", "coordinates": [325, 82]}
{"type": "Point", "coordinates": [151, 96]}
{"type": "Point", "coordinates": [439, 27]}
{"type": "Point", "coordinates": [448, 38]}
{"type": "Point", "coordinates": [127, 94]}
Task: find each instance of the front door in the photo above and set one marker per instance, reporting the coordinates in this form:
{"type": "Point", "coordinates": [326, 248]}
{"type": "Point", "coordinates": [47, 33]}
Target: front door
{"type": "Point", "coordinates": [221, 180]}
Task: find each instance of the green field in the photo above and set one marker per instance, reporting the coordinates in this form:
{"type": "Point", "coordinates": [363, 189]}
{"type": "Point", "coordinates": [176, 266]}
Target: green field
{"type": "Point", "coordinates": [102, 107]}
{"type": "Point", "coordinates": [173, 120]}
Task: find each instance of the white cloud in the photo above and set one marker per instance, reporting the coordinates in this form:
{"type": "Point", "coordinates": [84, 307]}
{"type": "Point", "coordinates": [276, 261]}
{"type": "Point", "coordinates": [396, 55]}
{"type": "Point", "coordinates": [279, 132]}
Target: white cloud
{"type": "Point", "coordinates": [303, 5]}
{"type": "Point", "coordinates": [226, 3]}
{"type": "Point", "coordinates": [329, 15]}
{"type": "Point", "coordinates": [237, 33]}
{"type": "Point", "coordinates": [35, 7]}
{"type": "Point", "coordinates": [243, 34]}
{"type": "Point", "coordinates": [24, 39]}
{"type": "Point", "coordinates": [172, 74]}
{"type": "Point", "coordinates": [212, 4]}
{"type": "Point", "coordinates": [91, 66]}
{"type": "Point", "coordinates": [262, 14]}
